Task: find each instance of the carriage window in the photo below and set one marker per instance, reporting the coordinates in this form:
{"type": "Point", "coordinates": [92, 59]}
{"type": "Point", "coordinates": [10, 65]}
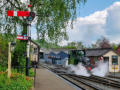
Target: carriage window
{"type": "Point", "coordinates": [115, 60]}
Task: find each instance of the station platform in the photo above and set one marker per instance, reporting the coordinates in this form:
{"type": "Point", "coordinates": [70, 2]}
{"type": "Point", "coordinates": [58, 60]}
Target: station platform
{"type": "Point", "coordinates": [46, 80]}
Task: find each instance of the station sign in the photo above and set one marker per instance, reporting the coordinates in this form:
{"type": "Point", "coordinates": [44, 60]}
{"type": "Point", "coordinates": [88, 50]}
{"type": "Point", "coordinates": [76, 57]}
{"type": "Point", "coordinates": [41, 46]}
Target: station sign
{"type": "Point", "coordinates": [19, 37]}
{"type": "Point", "coordinates": [115, 67]}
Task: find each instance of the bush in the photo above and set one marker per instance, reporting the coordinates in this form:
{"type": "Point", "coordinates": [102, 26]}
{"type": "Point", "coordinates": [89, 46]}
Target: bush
{"type": "Point", "coordinates": [16, 82]}
{"type": "Point", "coordinates": [31, 72]}
{"type": "Point", "coordinates": [3, 68]}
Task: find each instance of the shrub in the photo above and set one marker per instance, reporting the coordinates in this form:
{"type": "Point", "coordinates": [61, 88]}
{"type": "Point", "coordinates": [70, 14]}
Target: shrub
{"type": "Point", "coordinates": [17, 81]}
{"type": "Point", "coordinates": [31, 72]}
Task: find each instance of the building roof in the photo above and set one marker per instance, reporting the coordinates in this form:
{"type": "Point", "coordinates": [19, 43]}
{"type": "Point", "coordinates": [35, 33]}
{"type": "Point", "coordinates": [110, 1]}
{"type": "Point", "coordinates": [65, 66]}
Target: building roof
{"type": "Point", "coordinates": [97, 51]}
{"type": "Point", "coordinates": [62, 54]}
{"type": "Point", "coordinates": [34, 43]}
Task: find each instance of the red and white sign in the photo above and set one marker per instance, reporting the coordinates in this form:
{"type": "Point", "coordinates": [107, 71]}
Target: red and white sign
{"type": "Point", "coordinates": [19, 37]}
{"type": "Point", "coordinates": [18, 13]}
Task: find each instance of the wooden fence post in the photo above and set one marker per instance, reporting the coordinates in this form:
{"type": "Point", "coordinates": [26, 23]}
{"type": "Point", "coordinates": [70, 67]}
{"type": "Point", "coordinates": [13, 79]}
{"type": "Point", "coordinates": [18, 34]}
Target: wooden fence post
{"type": "Point", "coordinates": [9, 59]}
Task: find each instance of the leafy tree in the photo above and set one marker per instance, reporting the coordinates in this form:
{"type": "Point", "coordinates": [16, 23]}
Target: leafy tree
{"type": "Point", "coordinates": [80, 45]}
{"type": "Point", "coordinates": [76, 45]}
{"type": "Point", "coordinates": [51, 20]}
{"type": "Point", "coordinates": [114, 46]}
{"type": "Point", "coordinates": [103, 42]}
{"type": "Point", "coordinates": [52, 16]}
{"type": "Point", "coordinates": [48, 45]}
{"type": "Point", "coordinates": [3, 50]}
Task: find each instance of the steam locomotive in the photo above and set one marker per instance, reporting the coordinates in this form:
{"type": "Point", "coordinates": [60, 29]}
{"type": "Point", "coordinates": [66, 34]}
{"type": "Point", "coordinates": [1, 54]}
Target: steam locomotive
{"type": "Point", "coordinates": [79, 56]}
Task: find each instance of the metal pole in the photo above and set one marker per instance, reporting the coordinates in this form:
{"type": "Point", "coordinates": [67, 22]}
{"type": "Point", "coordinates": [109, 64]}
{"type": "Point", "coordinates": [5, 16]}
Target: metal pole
{"type": "Point", "coordinates": [28, 46]}
{"type": "Point", "coordinates": [28, 51]}
{"type": "Point", "coordinates": [114, 70]}
{"type": "Point", "coordinates": [34, 75]}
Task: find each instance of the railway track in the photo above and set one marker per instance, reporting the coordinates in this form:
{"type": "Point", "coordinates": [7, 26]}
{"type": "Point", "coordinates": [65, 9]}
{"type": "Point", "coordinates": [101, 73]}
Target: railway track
{"type": "Point", "coordinates": [79, 83]}
{"type": "Point", "coordinates": [111, 76]}
{"type": "Point", "coordinates": [80, 80]}
{"type": "Point", "coordinates": [99, 80]}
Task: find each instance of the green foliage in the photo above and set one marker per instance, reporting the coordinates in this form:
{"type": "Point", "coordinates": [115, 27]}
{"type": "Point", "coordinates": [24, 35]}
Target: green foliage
{"type": "Point", "coordinates": [45, 44]}
{"type": "Point", "coordinates": [16, 82]}
{"type": "Point", "coordinates": [70, 47]}
{"type": "Point", "coordinates": [52, 17]}
{"type": "Point", "coordinates": [31, 72]}
{"type": "Point", "coordinates": [71, 61]}
{"type": "Point", "coordinates": [75, 45]}
{"type": "Point", "coordinates": [3, 50]}
{"type": "Point", "coordinates": [114, 46]}
{"type": "Point", "coordinates": [19, 58]}
{"type": "Point", "coordinates": [3, 68]}
{"type": "Point", "coordinates": [4, 81]}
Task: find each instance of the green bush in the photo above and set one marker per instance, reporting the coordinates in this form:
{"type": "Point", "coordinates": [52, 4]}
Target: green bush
{"type": "Point", "coordinates": [31, 72]}
{"type": "Point", "coordinates": [4, 81]}
{"type": "Point", "coordinates": [16, 82]}
{"type": "Point", "coordinates": [3, 68]}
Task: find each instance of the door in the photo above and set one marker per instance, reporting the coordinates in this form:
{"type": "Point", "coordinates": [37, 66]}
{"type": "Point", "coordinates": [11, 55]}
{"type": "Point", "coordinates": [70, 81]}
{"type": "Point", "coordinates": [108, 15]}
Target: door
{"type": "Point", "coordinates": [106, 59]}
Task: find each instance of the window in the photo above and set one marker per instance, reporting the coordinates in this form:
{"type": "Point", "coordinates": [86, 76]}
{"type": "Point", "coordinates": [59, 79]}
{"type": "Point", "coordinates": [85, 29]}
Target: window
{"type": "Point", "coordinates": [106, 59]}
{"type": "Point", "coordinates": [35, 50]}
{"type": "Point", "coordinates": [115, 60]}
{"type": "Point", "coordinates": [41, 55]}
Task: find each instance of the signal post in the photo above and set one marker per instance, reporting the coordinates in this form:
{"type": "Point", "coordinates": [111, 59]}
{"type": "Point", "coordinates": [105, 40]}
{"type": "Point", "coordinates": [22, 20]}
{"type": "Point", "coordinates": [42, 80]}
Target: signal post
{"type": "Point", "coordinates": [30, 16]}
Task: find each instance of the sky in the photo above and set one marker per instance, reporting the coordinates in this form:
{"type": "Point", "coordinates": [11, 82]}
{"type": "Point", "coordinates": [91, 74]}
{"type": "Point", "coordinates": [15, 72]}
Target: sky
{"type": "Point", "coordinates": [95, 19]}
{"type": "Point", "coordinates": [92, 6]}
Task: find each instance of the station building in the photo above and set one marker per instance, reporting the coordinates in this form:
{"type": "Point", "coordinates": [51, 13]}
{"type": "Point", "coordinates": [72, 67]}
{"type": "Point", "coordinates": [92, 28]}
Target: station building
{"type": "Point", "coordinates": [34, 52]}
{"type": "Point", "coordinates": [107, 55]}
{"type": "Point", "coordinates": [61, 56]}
{"type": "Point", "coordinates": [54, 56]}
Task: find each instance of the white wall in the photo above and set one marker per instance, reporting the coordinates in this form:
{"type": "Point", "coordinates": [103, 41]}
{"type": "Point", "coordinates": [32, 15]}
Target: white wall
{"type": "Point", "coordinates": [111, 67]}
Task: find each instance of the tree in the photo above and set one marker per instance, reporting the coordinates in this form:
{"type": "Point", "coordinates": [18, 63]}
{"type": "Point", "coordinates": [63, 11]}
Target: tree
{"type": "Point", "coordinates": [3, 50]}
{"type": "Point", "coordinates": [103, 42]}
{"type": "Point", "coordinates": [80, 45]}
{"type": "Point", "coordinates": [114, 46]}
{"type": "Point", "coordinates": [51, 19]}
{"type": "Point", "coordinates": [52, 16]}
{"type": "Point", "coordinates": [75, 45]}
{"type": "Point", "coordinates": [72, 44]}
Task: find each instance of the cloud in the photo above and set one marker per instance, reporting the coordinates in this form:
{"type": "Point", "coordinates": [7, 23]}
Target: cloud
{"type": "Point", "coordinates": [101, 23]}
{"type": "Point", "coordinates": [24, 1]}
{"type": "Point", "coordinates": [112, 27]}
